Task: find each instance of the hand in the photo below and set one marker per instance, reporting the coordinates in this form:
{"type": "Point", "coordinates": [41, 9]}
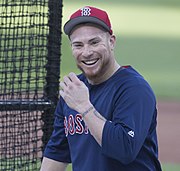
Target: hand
{"type": "Point", "coordinates": [75, 93]}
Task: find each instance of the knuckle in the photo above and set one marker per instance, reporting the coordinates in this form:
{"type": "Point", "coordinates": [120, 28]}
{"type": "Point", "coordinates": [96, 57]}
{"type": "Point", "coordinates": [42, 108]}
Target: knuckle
{"type": "Point", "coordinates": [70, 87]}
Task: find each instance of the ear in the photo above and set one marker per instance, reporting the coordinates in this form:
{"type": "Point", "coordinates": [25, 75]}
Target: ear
{"type": "Point", "coordinates": [112, 41]}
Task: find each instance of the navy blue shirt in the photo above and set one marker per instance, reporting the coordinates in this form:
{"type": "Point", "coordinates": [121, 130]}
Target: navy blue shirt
{"type": "Point", "coordinates": [129, 140]}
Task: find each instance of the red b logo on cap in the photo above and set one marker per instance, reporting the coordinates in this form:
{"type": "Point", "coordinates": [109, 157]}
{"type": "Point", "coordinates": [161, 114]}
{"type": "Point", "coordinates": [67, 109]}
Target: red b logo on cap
{"type": "Point", "coordinates": [86, 11]}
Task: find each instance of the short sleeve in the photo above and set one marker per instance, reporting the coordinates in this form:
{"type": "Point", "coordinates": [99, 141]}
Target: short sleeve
{"type": "Point", "coordinates": [57, 147]}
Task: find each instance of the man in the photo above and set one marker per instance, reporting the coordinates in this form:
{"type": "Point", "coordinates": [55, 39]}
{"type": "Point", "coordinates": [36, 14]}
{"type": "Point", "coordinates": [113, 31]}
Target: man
{"type": "Point", "coordinates": [106, 117]}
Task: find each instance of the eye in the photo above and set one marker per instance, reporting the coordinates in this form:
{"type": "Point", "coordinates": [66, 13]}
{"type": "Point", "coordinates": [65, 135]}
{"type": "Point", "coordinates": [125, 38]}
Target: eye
{"type": "Point", "coordinates": [94, 42]}
{"type": "Point", "coordinates": [77, 45]}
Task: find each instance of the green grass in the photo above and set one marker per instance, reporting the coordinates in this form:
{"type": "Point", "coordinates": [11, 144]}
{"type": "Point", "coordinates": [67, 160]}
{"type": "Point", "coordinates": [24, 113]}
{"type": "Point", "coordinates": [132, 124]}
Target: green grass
{"type": "Point", "coordinates": [148, 38]}
{"type": "Point", "coordinates": [170, 167]}
{"type": "Point", "coordinates": [155, 58]}
{"type": "Point", "coordinates": [20, 164]}
{"type": "Point", "coordinates": [165, 167]}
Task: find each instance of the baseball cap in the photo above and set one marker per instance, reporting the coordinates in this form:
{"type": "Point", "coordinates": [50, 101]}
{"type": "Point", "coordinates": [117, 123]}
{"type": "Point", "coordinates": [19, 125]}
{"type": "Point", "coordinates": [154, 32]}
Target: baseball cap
{"type": "Point", "coordinates": [88, 14]}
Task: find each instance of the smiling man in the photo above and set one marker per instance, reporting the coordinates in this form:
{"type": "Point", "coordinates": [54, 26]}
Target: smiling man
{"type": "Point", "coordinates": [106, 117]}
{"type": "Point", "coordinates": [93, 51]}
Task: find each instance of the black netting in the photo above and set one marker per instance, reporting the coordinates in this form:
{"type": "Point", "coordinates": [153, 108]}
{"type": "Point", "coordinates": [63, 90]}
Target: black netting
{"type": "Point", "coordinates": [29, 77]}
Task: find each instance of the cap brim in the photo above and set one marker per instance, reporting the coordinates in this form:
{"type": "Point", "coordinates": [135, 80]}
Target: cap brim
{"type": "Point", "coordinates": [69, 25]}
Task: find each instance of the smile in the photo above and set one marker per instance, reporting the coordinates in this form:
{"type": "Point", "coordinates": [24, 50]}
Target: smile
{"type": "Point", "coordinates": [90, 62]}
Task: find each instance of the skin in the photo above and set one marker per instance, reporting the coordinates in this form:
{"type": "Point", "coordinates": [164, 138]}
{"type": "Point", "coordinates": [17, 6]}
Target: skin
{"type": "Point", "coordinates": [90, 44]}
{"type": "Point", "coordinates": [52, 165]}
{"type": "Point", "coordinates": [93, 51]}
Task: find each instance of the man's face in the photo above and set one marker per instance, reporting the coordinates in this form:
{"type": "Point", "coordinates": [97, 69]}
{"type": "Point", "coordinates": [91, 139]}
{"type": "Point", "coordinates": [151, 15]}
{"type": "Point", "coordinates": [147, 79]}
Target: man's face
{"type": "Point", "coordinates": [93, 51]}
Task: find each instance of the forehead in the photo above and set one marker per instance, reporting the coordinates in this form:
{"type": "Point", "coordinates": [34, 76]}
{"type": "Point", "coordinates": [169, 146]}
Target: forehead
{"type": "Point", "coordinates": [86, 32]}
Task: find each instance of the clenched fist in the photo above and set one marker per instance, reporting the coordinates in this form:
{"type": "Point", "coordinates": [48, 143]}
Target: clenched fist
{"type": "Point", "coordinates": [75, 93]}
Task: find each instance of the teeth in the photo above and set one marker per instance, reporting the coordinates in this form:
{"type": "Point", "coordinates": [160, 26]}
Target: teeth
{"type": "Point", "coordinates": [90, 62]}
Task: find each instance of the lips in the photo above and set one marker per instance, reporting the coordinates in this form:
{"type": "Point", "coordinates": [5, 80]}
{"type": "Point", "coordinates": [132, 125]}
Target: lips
{"type": "Point", "coordinates": [90, 62]}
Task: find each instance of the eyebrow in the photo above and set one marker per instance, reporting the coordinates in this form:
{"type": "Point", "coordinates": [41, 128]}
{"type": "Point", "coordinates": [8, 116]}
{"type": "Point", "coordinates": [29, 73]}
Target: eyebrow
{"type": "Point", "coordinates": [95, 38]}
{"type": "Point", "coordinates": [89, 41]}
{"type": "Point", "coordinates": [75, 42]}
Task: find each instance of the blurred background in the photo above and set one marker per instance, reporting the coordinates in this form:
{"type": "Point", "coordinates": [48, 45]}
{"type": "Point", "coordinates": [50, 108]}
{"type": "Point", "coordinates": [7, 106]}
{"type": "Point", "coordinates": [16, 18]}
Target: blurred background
{"type": "Point", "coordinates": [148, 38]}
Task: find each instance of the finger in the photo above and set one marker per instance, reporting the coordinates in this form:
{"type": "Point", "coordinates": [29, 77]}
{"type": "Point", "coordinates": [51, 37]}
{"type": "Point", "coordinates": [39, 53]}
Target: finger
{"type": "Point", "coordinates": [67, 80]}
{"type": "Point", "coordinates": [61, 92]}
{"type": "Point", "coordinates": [62, 85]}
{"type": "Point", "coordinates": [72, 76]}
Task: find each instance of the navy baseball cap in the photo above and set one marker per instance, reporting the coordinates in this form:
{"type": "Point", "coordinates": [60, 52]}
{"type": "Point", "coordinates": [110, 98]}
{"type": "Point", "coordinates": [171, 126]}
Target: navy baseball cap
{"type": "Point", "coordinates": [88, 14]}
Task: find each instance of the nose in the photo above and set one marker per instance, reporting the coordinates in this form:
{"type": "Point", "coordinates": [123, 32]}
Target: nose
{"type": "Point", "coordinates": [87, 51]}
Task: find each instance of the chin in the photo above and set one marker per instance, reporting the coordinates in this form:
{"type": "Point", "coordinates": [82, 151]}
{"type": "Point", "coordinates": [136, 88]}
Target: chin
{"type": "Point", "coordinates": [91, 74]}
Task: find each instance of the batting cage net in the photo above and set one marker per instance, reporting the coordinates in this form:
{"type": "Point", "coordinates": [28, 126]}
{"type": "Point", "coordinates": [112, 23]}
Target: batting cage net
{"type": "Point", "coordinates": [30, 37]}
